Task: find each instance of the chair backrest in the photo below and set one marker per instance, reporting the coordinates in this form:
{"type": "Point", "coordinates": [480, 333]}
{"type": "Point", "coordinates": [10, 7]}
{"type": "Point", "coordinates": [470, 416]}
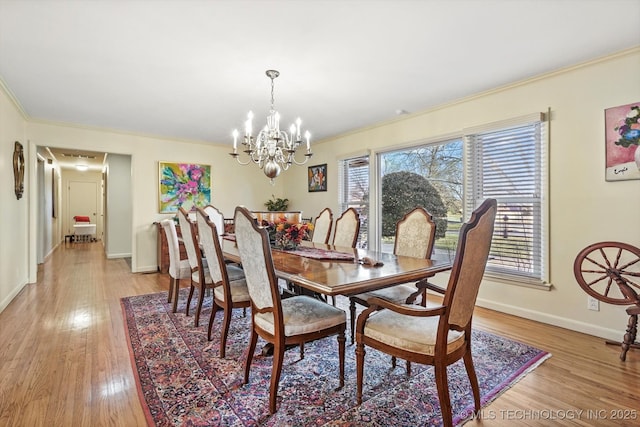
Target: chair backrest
{"type": "Point", "coordinates": [469, 264]}
{"type": "Point", "coordinates": [322, 226]}
{"type": "Point", "coordinates": [209, 239]}
{"type": "Point", "coordinates": [257, 263]}
{"type": "Point", "coordinates": [415, 234]}
{"type": "Point", "coordinates": [169, 227]}
{"type": "Point", "coordinates": [216, 217]}
{"type": "Point", "coordinates": [81, 218]}
{"type": "Point", "coordinates": [188, 231]}
{"type": "Point", "coordinates": [347, 229]}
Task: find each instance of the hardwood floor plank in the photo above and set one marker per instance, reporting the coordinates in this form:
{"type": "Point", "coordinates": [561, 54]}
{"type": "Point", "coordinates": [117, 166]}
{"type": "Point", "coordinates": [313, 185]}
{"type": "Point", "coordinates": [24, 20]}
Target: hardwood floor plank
{"type": "Point", "coordinates": [64, 358]}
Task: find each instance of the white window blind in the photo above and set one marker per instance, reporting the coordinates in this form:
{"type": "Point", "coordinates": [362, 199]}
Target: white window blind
{"type": "Point", "coordinates": [353, 175]}
{"type": "Point", "coordinates": [509, 165]}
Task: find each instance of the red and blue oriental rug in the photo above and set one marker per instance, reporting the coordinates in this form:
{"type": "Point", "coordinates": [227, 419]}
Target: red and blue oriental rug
{"type": "Point", "coordinates": [183, 382]}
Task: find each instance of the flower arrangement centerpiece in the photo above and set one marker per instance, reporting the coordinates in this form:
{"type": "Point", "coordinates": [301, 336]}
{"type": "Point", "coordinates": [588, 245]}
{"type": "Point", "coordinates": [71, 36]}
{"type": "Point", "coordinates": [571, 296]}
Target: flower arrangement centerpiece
{"type": "Point", "coordinates": [287, 235]}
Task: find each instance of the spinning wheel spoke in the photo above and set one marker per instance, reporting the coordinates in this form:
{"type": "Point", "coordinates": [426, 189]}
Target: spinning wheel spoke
{"type": "Point", "coordinates": [596, 281]}
{"type": "Point", "coordinates": [604, 268]}
{"type": "Point", "coordinates": [604, 256]}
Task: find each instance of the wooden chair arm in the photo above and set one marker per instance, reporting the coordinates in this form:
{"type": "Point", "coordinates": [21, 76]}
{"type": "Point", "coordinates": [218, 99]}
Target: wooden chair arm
{"type": "Point", "coordinates": [410, 310]}
{"type": "Point", "coordinates": [424, 284]}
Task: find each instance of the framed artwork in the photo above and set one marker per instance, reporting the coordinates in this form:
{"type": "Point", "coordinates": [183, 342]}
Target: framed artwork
{"type": "Point", "coordinates": [18, 169]}
{"type": "Point", "coordinates": [622, 139]}
{"type": "Point", "coordinates": [54, 193]}
{"type": "Point", "coordinates": [317, 178]}
{"type": "Point", "coordinates": [183, 184]}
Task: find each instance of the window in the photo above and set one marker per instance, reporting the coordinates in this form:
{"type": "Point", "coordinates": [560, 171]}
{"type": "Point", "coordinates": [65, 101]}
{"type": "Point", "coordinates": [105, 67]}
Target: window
{"type": "Point", "coordinates": [428, 175]}
{"type": "Point", "coordinates": [509, 165]}
{"type": "Point", "coordinates": [505, 161]}
{"type": "Point", "coordinates": [353, 177]}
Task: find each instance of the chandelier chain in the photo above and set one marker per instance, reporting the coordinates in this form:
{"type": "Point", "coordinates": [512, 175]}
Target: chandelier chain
{"type": "Point", "coordinates": [273, 102]}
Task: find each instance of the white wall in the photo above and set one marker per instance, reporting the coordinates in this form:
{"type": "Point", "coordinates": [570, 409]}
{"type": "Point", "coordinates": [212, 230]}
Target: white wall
{"type": "Point", "coordinates": [584, 208]}
{"type": "Point", "coordinates": [119, 206]}
{"type": "Point", "coordinates": [14, 230]}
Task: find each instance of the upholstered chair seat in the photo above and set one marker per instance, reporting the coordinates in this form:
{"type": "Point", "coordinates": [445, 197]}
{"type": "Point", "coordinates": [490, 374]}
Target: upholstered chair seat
{"type": "Point", "coordinates": [415, 334]}
{"type": "Point", "coordinates": [238, 289]}
{"type": "Point", "coordinates": [303, 314]}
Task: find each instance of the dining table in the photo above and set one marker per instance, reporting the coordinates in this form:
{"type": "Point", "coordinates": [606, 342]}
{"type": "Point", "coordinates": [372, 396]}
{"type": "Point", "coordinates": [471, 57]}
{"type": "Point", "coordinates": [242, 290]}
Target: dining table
{"type": "Point", "coordinates": [335, 270]}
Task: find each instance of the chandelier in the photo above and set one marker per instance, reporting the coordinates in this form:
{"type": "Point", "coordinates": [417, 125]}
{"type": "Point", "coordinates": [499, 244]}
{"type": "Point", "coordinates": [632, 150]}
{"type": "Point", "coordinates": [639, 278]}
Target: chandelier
{"type": "Point", "coordinates": [272, 150]}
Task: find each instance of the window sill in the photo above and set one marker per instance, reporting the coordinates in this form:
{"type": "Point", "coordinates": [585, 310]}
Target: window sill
{"type": "Point", "coordinates": [524, 282]}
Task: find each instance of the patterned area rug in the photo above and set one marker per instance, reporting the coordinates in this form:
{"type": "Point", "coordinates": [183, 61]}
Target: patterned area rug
{"type": "Point", "coordinates": [182, 381]}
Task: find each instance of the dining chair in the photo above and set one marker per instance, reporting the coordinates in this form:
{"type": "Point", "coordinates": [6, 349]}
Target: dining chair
{"type": "Point", "coordinates": [441, 335]}
{"type": "Point", "coordinates": [216, 217]}
{"type": "Point", "coordinates": [415, 236]}
{"type": "Point", "coordinates": [178, 268]}
{"type": "Point", "coordinates": [322, 226]}
{"type": "Point", "coordinates": [281, 322]}
{"type": "Point", "coordinates": [200, 277]}
{"type": "Point", "coordinates": [228, 282]}
{"type": "Point", "coordinates": [347, 229]}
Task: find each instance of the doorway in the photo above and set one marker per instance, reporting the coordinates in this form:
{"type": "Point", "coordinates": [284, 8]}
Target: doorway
{"type": "Point", "coordinates": [83, 201]}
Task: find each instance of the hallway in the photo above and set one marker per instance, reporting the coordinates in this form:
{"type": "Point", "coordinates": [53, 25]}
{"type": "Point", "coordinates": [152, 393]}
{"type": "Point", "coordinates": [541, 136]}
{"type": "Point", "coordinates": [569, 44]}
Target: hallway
{"type": "Point", "coordinates": [64, 356]}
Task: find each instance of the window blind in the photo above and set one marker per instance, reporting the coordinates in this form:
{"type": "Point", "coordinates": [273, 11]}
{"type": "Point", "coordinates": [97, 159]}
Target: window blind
{"type": "Point", "coordinates": [509, 165]}
{"type": "Point", "coordinates": [353, 176]}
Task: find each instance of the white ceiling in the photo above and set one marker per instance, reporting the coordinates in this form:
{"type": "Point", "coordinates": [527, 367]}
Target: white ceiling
{"type": "Point", "coordinates": [192, 69]}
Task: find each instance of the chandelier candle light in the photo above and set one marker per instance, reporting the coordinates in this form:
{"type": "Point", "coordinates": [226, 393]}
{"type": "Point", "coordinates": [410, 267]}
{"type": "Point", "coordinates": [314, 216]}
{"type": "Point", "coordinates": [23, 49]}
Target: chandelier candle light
{"type": "Point", "coordinates": [272, 150]}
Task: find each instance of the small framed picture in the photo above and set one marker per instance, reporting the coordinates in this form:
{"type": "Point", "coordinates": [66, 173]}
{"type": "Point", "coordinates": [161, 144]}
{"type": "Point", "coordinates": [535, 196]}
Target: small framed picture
{"type": "Point", "coordinates": [317, 178]}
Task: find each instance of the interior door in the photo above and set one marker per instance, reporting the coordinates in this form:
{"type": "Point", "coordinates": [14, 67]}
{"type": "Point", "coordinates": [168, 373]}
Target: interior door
{"type": "Point", "coordinates": [83, 201]}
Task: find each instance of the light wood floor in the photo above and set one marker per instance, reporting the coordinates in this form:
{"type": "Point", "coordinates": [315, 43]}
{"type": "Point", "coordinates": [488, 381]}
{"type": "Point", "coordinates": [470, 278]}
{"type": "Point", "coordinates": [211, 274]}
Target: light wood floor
{"type": "Point", "coordinates": [64, 359]}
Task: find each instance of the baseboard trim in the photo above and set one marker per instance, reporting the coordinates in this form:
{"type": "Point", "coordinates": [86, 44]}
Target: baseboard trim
{"type": "Point", "coordinates": [563, 322]}
{"type": "Point", "coordinates": [5, 302]}
{"type": "Point", "coordinates": [114, 256]}
{"type": "Point", "coordinates": [147, 269]}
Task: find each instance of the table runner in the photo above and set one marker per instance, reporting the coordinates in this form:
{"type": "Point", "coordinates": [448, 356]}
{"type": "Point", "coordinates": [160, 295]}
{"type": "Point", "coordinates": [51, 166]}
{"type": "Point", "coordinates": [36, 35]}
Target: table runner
{"type": "Point", "coordinates": [320, 254]}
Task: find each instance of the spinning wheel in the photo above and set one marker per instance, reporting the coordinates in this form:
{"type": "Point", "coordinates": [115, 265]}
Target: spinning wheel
{"type": "Point", "coordinates": [610, 272]}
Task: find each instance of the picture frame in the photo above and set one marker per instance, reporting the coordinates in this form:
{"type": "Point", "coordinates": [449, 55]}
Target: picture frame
{"type": "Point", "coordinates": [622, 142]}
{"type": "Point", "coordinates": [317, 178]}
{"type": "Point", "coordinates": [18, 169]}
{"type": "Point", "coordinates": [54, 193]}
{"type": "Point", "coordinates": [186, 185]}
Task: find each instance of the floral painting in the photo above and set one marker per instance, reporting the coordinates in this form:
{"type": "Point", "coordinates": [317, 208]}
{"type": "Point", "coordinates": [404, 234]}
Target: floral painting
{"type": "Point", "coordinates": [622, 127]}
{"type": "Point", "coordinates": [184, 184]}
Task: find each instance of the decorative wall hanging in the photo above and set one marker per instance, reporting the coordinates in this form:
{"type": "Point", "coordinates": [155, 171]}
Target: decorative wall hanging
{"type": "Point", "coordinates": [18, 169]}
{"type": "Point", "coordinates": [317, 178]}
{"type": "Point", "coordinates": [622, 138]}
{"type": "Point", "coordinates": [183, 184]}
{"type": "Point", "coordinates": [54, 193]}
